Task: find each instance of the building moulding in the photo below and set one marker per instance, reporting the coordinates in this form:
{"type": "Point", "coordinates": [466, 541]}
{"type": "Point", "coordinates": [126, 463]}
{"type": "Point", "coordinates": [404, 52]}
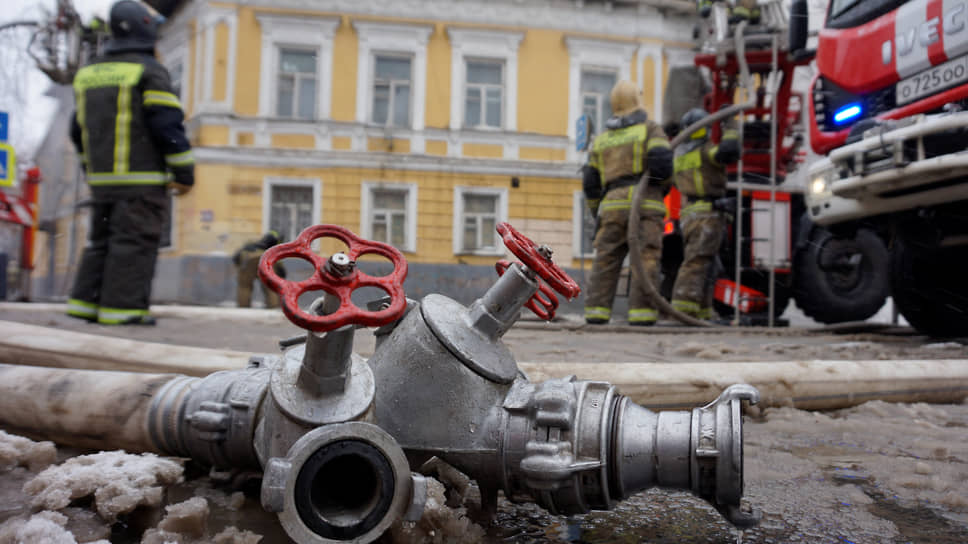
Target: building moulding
{"type": "Point", "coordinates": [325, 130]}
{"type": "Point", "coordinates": [311, 158]}
{"type": "Point", "coordinates": [208, 20]}
{"type": "Point", "coordinates": [643, 21]}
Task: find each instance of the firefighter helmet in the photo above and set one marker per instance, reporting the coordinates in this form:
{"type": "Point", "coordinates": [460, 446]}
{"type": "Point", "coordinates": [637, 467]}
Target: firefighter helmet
{"type": "Point", "coordinates": [625, 98]}
{"type": "Point", "coordinates": [134, 26]}
{"type": "Point", "coordinates": [691, 116]}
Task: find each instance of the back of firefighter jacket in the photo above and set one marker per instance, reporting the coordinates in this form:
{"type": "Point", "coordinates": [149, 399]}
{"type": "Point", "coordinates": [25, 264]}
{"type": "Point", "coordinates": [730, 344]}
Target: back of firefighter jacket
{"type": "Point", "coordinates": [128, 124]}
{"type": "Point", "coordinates": [700, 166]}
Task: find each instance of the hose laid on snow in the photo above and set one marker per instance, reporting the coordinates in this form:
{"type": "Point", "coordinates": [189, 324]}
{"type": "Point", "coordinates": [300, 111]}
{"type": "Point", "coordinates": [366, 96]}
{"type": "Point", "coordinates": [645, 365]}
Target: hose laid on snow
{"type": "Point", "coordinates": [635, 214]}
{"type": "Point", "coordinates": [80, 408]}
{"type": "Point", "coordinates": [117, 403]}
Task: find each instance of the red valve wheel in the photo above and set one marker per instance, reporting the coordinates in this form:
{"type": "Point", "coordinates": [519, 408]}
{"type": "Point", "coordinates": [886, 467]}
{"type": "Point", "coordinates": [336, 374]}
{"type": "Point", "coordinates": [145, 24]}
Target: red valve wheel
{"type": "Point", "coordinates": [543, 303]}
{"type": "Point", "coordinates": [526, 250]}
{"type": "Point", "coordinates": [341, 286]}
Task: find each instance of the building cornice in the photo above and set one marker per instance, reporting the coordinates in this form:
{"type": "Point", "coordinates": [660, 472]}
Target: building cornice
{"type": "Point", "coordinates": [662, 20]}
{"type": "Point", "coordinates": [314, 158]}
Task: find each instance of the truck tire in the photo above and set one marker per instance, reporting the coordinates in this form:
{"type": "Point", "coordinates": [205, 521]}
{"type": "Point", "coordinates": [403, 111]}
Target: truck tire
{"type": "Point", "coordinates": [837, 279]}
{"type": "Point", "coordinates": [929, 287]}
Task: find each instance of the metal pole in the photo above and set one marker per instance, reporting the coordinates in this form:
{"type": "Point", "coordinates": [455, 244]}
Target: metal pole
{"type": "Point", "coordinates": [772, 266]}
{"type": "Point", "coordinates": [738, 231]}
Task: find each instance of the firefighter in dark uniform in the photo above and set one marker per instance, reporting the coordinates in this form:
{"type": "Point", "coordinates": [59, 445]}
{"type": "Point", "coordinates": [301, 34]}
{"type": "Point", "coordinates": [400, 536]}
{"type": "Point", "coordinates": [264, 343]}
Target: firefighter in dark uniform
{"type": "Point", "coordinates": [700, 175]}
{"type": "Point", "coordinates": [129, 130]}
{"type": "Point", "coordinates": [631, 145]}
{"type": "Point", "coordinates": [246, 259]}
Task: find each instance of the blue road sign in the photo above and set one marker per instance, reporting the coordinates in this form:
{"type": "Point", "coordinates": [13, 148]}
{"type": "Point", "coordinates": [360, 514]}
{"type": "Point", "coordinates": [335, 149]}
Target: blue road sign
{"type": "Point", "coordinates": [8, 166]}
{"type": "Point", "coordinates": [581, 133]}
{"type": "Point", "coordinates": [4, 126]}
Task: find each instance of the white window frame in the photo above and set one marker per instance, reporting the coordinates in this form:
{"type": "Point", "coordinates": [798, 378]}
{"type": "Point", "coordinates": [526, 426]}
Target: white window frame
{"type": "Point", "coordinates": [485, 45]}
{"type": "Point", "coordinates": [481, 124]}
{"type": "Point", "coordinates": [578, 208]}
{"type": "Point", "coordinates": [400, 39]}
{"type": "Point", "coordinates": [297, 78]}
{"type": "Point", "coordinates": [458, 223]}
{"type": "Point", "coordinates": [604, 115]}
{"type": "Point", "coordinates": [304, 32]}
{"type": "Point", "coordinates": [269, 182]}
{"type": "Point", "coordinates": [390, 98]}
{"type": "Point", "coordinates": [366, 210]}
{"type": "Point", "coordinates": [589, 54]}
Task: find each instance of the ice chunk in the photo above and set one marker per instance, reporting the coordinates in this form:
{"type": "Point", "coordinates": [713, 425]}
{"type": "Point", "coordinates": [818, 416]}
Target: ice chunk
{"type": "Point", "coordinates": [232, 535]}
{"type": "Point", "coordinates": [118, 481]}
{"type": "Point", "coordinates": [439, 524]}
{"type": "Point", "coordinates": [19, 451]}
{"type": "Point", "coordinates": [45, 527]}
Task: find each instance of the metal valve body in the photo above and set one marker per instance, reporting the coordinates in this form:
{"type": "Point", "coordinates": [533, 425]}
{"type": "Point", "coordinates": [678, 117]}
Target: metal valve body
{"type": "Point", "coordinates": [338, 437]}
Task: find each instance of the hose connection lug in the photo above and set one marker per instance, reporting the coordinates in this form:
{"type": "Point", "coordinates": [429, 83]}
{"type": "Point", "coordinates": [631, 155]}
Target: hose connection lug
{"type": "Point", "coordinates": [418, 498]}
{"type": "Point", "coordinates": [274, 484]}
{"type": "Point", "coordinates": [211, 421]}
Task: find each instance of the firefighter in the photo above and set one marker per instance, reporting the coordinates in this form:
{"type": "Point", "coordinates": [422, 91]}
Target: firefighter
{"type": "Point", "coordinates": [700, 175]}
{"type": "Point", "coordinates": [128, 128]}
{"type": "Point", "coordinates": [630, 145]}
{"type": "Point", "coordinates": [246, 259]}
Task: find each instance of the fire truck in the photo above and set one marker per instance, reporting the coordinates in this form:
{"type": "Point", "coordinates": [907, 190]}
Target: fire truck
{"type": "Point", "coordinates": [887, 109]}
{"type": "Point", "coordinates": [774, 251]}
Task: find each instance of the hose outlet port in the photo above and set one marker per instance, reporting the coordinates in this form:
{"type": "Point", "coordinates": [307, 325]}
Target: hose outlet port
{"type": "Point", "coordinates": [344, 489]}
{"type": "Point", "coordinates": [339, 483]}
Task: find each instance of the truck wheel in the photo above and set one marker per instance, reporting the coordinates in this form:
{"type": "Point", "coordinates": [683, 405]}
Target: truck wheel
{"type": "Point", "coordinates": [837, 279]}
{"type": "Point", "coordinates": [929, 287]}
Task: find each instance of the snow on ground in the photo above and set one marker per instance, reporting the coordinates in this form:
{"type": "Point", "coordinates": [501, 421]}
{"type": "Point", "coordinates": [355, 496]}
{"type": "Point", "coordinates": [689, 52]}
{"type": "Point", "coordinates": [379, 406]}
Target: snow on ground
{"type": "Point", "coordinates": [19, 451]}
{"type": "Point", "coordinates": [119, 482]}
{"type": "Point", "coordinates": [43, 528]}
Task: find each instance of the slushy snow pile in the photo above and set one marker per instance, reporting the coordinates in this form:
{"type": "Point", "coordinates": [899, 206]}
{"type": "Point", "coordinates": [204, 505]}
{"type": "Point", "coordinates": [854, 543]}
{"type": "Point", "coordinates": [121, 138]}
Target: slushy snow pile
{"type": "Point", "coordinates": [45, 528]}
{"type": "Point", "coordinates": [17, 451]}
{"type": "Point", "coordinates": [187, 523]}
{"type": "Point", "coordinates": [118, 481]}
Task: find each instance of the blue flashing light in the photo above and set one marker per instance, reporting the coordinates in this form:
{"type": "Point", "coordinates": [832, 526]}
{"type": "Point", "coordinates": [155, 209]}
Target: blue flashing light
{"type": "Point", "coordinates": [847, 113]}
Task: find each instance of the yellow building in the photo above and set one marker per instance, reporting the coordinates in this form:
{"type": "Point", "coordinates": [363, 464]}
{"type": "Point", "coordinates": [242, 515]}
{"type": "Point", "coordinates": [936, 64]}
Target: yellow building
{"type": "Point", "coordinates": [419, 123]}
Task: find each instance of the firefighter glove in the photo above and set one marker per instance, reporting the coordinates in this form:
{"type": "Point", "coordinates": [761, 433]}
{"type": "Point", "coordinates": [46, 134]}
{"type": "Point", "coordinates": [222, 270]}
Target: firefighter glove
{"type": "Point", "coordinates": [179, 189]}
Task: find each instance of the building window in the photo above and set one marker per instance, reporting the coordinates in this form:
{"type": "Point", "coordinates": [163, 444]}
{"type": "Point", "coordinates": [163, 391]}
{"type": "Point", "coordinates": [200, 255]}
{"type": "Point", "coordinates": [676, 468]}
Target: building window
{"type": "Point", "coordinates": [484, 94]}
{"type": "Point", "coordinates": [484, 78]}
{"type": "Point", "coordinates": [290, 205]}
{"type": "Point", "coordinates": [596, 87]}
{"type": "Point", "coordinates": [295, 75]}
{"type": "Point", "coordinates": [391, 90]}
{"type": "Point", "coordinates": [477, 211]}
{"type": "Point", "coordinates": [592, 65]}
{"type": "Point", "coordinates": [582, 228]}
{"type": "Point", "coordinates": [389, 214]}
{"type": "Point", "coordinates": [296, 84]}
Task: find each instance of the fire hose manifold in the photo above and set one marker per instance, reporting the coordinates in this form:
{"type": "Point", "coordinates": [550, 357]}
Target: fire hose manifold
{"type": "Point", "coordinates": [340, 439]}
